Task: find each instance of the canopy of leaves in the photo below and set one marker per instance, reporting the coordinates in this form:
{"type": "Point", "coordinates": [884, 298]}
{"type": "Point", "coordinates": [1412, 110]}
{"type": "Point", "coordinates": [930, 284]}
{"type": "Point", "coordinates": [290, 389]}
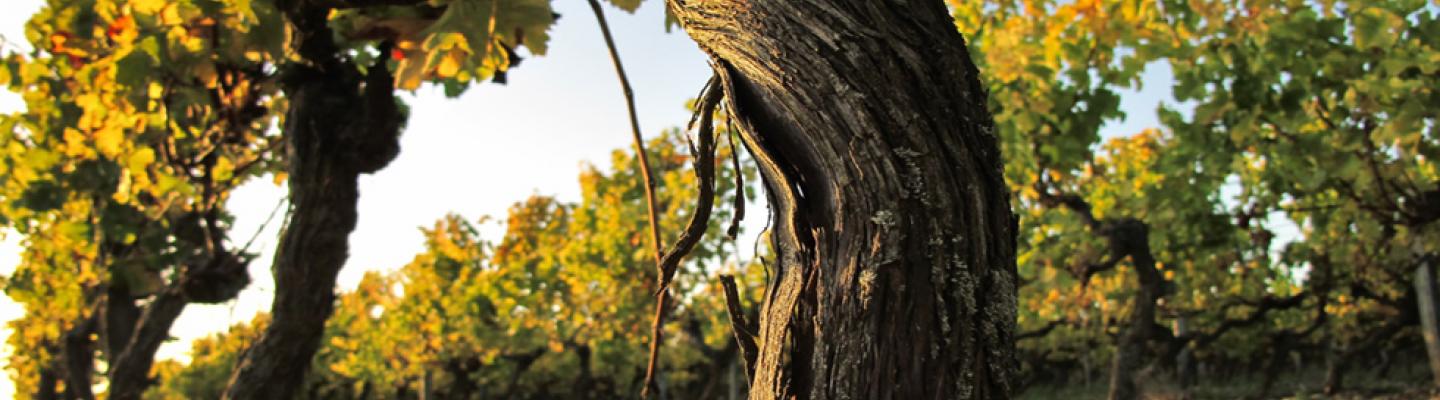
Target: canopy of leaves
{"type": "Point", "coordinates": [140, 117]}
{"type": "Point", "coordinates": [1298, 161]}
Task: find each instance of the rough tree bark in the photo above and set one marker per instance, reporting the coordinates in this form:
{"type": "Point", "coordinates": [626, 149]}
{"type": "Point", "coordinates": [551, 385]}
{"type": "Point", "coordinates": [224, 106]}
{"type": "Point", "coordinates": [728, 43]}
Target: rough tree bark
{"type": "Point", "coordinates": [78, 354]}
{"type": "Point", "coordinates": [130, 371]}
{"type": "Point", "coordinates": [895, 272]}
{"type": "Point", "coordinates": [131, 336]}
{"type": "Point", "coordinates": [120, 317]}
{"type": "Point", "coordinates": [341, 123]}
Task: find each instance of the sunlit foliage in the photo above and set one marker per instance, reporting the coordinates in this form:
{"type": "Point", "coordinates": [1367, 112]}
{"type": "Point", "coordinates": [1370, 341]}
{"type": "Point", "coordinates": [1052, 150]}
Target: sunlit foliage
{"type": "Point", "coordinates": [1295, 167]}
{"type": "Point", "coordinates": [139, 119]}
{"type": "Point", "coordinates": [560, 307]}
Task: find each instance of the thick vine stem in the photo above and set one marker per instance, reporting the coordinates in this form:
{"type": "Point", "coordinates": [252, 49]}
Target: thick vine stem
{"type": "Point", "coordinates": [325, 160]}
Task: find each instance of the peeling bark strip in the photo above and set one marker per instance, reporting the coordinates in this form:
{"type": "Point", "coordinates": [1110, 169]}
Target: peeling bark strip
{"type": "Point", "coordinates": [705, 175]}
{"type": "Point", "coordinates": [744, 334]}
{"type": "Point", "coordinates": [896, 248]}
{"type": "Point", "coordinates": [340, 124]}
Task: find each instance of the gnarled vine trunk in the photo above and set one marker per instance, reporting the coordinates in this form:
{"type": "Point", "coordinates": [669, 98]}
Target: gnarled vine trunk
{"type": "Point", "coordinates": [1130, 238]}
{"type": "Point", "coordinates": [341, 123]}
{"type": "Point", "coordinates": [130, 371]}
{"type": "Point", "coordinates": [895, 272]}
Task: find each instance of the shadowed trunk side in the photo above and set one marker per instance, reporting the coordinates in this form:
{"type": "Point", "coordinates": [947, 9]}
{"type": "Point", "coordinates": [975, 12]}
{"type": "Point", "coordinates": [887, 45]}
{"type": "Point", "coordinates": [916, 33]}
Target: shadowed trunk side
{"type": "Point", "coordinates": [895, 276]}
{"type": "Point", "coordinates": [341, 123]}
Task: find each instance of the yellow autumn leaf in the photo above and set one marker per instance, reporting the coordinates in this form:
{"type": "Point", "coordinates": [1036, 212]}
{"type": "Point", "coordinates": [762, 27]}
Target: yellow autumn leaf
{"type": "Point", "coordinates": [147, 6]}
{"type": "Point", "coordinates": [109, 140]}
{"type": "Point", "coordinates": [122, 193]}
{"type": "Point", "coordinates": [224, 169]}
{"type": "Point", "coordinates": [156, 90]}
{"type": "Point", "coordinates": [171, 15]}
{"type": "Point", "coordinates": [409, 73]}
{"type": "Point", "coordinates": [449, 64]}
{"type": "Point", "coordinates": [141, 158]}
{"type": "Point", "coordinates": [75, 143]}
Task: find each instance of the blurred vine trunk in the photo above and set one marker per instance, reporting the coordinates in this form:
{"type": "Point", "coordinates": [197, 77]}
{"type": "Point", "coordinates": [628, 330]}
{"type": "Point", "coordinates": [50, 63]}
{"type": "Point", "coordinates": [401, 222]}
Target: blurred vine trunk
{"type": "Point", "coordinates": [1130, 237]}
{"type": "Point", "coordinates": [895, 273]}
{"type": "Point", "coordinates": [121, 315]}
{"type": "Point", "coordinates": [715, 364]}
{"type": "Point", "coordinates": [78, 354]}
{"type": "Point", "coordinates": [48, 387]}
{"type": "Point", "coordinates": [130, 371]}
{"type": "Point", "coordinates": [340, 124]}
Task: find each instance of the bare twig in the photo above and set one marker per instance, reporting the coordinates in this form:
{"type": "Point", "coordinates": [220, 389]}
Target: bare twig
{"type": "Point", "coordinates": [263, 225]}
{"type": "Point", "coordinates": [1042, 331]}
{"type": "Point", "coordinates": [6, 44]}
{"type": "Point", "coordinates": [644, 160]}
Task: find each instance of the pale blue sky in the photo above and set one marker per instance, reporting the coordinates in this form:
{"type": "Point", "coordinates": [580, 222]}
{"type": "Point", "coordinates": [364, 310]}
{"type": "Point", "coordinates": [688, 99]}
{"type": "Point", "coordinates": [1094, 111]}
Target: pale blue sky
{"type": "Point", "coordinates": [478, 154]}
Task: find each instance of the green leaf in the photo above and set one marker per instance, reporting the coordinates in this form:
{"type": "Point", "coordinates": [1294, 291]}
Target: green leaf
{"type": "Point", "coordinates": [136, 66]}
{"type": "Point", "coordinates": [1375, 27]}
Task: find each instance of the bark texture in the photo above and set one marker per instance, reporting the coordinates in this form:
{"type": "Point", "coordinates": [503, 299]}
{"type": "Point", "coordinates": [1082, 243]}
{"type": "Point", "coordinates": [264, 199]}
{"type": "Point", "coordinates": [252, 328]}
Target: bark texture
{"type": "Point", "coordinates": [341, 123]}
{"type": "Point", "coordinates": [130, 373]}
{"type": "Point", "coordinates": [79, 357]}
{"type": "Point", "coordinates": [134, 335]}
{"type": "Point", "coordinates": [895, 272]}
{"type": "Point", "coordinates": [121, 315]}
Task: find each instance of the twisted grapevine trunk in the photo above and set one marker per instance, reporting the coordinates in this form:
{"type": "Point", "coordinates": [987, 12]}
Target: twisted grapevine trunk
{"type": "Point", "coordinates": [340, 124]}
{"type": "Point", "coordinates": [895, 276]}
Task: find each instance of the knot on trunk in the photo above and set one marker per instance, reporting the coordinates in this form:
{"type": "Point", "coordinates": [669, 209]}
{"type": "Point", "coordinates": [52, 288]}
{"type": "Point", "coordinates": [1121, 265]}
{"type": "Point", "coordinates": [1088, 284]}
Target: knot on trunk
{"type": "Point", "coordinates": [375, 135]}
{"type": "Point", "coordinates": [217, 281]}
